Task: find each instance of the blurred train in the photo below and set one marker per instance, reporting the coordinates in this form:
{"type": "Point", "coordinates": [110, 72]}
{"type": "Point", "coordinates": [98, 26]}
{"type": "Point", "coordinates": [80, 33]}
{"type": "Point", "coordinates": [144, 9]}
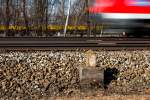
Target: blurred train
{"type": "Point", "coordinates": [52, 29]}
{"type": "Point", "coordinates": [127, 16]}
{"type": "Point", "coordinates": [49, 27]}
{"type": "Point", "coordinates": [49, 30]}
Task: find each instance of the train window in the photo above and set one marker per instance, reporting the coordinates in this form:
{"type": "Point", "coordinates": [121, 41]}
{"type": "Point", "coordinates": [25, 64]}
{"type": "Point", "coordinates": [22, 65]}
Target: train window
{"type": "Point", "coordinates": [138, 2]}
{"type": "Point", "coordinates": [105, 2]}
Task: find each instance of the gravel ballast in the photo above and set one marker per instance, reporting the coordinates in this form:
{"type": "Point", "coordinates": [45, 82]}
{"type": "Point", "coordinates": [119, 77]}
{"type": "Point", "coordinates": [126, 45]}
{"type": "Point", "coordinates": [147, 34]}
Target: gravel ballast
{"type": "Point", "coordinates": [33, 75]}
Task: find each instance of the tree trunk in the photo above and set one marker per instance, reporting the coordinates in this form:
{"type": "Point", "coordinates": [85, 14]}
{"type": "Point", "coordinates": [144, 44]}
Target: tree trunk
{"type": "Point", "coordinates": [7, 22]}
{"type": "Point", "coordinates": [25, 17]}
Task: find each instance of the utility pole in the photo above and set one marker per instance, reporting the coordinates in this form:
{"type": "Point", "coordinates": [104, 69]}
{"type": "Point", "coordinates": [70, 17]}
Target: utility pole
{"type": "Point", "coordinates": [67, 19]}
{"type": "Point", "coordinates": [87, 17]}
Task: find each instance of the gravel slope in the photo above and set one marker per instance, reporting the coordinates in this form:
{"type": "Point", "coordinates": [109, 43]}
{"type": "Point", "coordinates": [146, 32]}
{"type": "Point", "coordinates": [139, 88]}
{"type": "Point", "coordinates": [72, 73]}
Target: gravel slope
{"type": "Point", "coordinates": [33, 75]}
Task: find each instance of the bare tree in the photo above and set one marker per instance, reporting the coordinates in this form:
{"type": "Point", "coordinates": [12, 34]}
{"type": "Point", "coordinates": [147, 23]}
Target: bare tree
{"type": "Point", "coordinates": [24, 10]}
{"type": "Point", "coordinates": [39, 14]}
{"type": "Point", "coordinates": [1, 11]}
{"type": "Point", "coordinates": [7, 18]}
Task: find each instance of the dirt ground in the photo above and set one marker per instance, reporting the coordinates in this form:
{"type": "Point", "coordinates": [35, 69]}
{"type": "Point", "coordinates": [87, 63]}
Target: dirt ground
{"type": "Point", "coordinates": [115, 97]}
{"type": "Point", "coordinates": [99, 95]}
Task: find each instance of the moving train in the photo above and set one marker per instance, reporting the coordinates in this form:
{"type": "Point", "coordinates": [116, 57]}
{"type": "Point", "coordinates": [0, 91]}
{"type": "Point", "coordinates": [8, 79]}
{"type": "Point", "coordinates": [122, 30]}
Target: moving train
{"type": "Point", "coordinates": [131, 17]}
{"type": "Point", "coordinates": [52, 29]}
{"type": "Point", "coordinates": [49, 27]}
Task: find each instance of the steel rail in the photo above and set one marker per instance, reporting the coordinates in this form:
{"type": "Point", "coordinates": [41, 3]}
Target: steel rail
{"type": "Point", "coordinates": [46, 42]}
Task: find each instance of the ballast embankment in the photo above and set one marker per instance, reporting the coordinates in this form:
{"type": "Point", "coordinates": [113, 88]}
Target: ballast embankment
{"type": "Point", "coordinates": [33, 75]}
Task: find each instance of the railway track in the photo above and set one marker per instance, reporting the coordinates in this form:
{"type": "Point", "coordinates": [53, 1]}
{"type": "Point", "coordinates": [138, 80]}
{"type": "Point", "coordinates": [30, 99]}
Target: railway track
{"type": "Point", "coordinates": [60, 42]}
